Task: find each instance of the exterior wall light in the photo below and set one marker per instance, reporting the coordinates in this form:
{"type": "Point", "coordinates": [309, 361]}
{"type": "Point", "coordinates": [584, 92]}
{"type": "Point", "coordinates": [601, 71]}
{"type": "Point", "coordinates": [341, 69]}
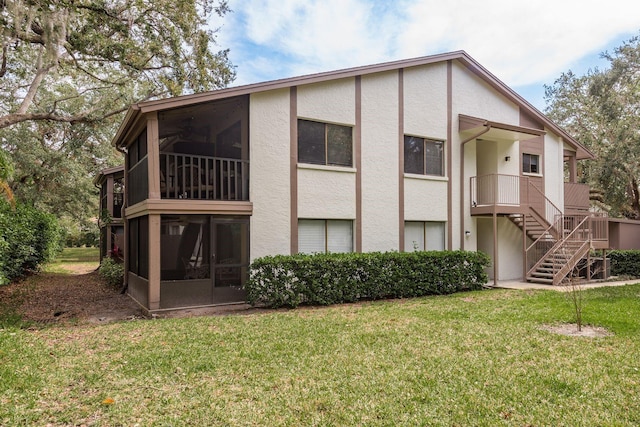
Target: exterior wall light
{"type": "Point", "coordinates": [507, 158]}
{"type": "Point", "coordinates": [467, 233]}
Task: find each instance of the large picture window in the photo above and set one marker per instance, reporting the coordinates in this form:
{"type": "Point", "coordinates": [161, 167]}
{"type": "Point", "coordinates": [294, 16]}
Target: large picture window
{"type": "Point", "coordinates": [423, 156]}
{"type": "Point", "coordinates": [320, 235]}
{"type": "Point", "coordinates": [424, 236]}
{"type": "Point", "coordinates": [325, 144]}
{"type": "Point", "coordinates": [530, 163]}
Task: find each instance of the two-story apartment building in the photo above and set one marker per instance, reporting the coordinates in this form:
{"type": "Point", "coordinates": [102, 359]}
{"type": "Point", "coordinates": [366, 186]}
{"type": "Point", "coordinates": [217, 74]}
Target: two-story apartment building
{"type": "Point", "coordinates": [427, 153]}
{"type": "Point", "coordinates": [110, 181]}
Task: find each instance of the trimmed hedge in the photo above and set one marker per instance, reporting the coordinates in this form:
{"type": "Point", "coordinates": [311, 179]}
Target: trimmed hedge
{"type": "Point", "coordinates": [625, 263]}
{"type": "Point", "coordinates": [321, 279]}
{"type": "Point", "coordinates": [28, 239]}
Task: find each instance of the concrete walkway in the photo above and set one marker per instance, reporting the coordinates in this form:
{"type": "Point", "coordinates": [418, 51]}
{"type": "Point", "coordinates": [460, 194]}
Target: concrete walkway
{"type": "Point", "coordinates": [515, 284]}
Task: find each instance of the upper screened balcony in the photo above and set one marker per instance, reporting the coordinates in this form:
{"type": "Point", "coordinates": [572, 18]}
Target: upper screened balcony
{"type": "Point", "coordinates": [204, 151]}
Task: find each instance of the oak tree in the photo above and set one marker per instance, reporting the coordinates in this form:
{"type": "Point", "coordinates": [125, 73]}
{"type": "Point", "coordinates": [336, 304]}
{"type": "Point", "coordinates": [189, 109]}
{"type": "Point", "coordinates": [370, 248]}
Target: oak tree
{"type": "Point", "coordinates": [601, 109]}
{"type": "Point", "coordinates": [69, 69]}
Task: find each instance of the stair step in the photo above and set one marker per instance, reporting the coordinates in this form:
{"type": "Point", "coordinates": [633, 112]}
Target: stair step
{"type": "Point", "coordinates": [539, 280]}
{"type": "Point", "coordinates": [542, 275]}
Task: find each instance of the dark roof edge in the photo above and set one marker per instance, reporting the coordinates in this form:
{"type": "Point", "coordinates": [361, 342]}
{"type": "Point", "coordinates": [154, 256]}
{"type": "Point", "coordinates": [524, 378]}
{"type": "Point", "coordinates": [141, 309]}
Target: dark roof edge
{"type": "Point", "coordinates": [460, 55]}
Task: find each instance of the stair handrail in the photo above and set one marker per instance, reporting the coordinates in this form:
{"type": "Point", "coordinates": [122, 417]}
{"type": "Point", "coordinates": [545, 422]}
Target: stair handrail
{"type": "Point", "coordinates": [560, 244]}
{"type": "Point", "coordinates": [549, 205]}
{"type": "Point", "coordinates": [570, 263]}
{"type": "Point", "coordinates": [544, 236]}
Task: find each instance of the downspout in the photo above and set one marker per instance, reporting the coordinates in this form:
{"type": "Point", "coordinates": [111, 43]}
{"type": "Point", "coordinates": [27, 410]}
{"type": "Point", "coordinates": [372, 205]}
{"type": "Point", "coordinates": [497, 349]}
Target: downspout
{"type": "Point", "coordinates": [462, 185]}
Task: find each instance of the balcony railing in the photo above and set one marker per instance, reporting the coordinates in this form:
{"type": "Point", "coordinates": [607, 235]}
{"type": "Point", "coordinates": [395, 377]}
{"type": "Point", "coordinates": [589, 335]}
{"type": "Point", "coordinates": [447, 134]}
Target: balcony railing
{"type": "Point", "coordinates": [184, 176]}
{"type": "Point", "coordinates": [510, 194]}
{"type": "Point", "coordinates": [489, 190]}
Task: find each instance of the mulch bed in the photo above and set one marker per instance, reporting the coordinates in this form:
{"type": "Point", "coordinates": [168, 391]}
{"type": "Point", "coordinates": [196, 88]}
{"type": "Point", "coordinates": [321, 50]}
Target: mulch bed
{"type": "Point", "coordinates": [67, 298]}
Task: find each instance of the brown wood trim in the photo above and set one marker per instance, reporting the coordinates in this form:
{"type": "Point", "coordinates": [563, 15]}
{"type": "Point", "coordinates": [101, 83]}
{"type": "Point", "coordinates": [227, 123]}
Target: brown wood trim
{"type": "Point", "coordinates": [153, 155]}
{"type": "Point", "coordinates": [125, 221]}
{"type": "Point", "coordinates": [133, 134]}
{"type": "Point", "coordinates": [533, 146]}
{"type": "Point", "coordinates": [293, 167]}
{"type": "Point", "coordinates": [358, 155]}
{"type": "Point", "coordinates": [401, 160]}
{"type": "Point", "coordinates": [107, 237]}
{"type": "Point", "coordinates": [154, 262]}
{"type": "Point", "coordinates": [192, 207]}
{"type": "Point", "coordinates": [450, 162]}
{"type": "Point", "coordinates": [467, 123]}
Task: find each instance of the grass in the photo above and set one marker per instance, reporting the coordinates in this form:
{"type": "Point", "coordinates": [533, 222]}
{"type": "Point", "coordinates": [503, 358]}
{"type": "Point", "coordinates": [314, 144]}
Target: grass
{"type": "Point", "coordinates": [476, 358]}
{"type": "Point", "coordinates": [71, 258]}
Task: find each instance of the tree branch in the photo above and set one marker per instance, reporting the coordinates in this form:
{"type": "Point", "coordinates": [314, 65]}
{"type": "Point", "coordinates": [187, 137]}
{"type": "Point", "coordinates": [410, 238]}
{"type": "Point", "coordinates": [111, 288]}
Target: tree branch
{"type": "Point", "coordinates": [12, 119]}
{"type": "Point", "coordinates": [35, 83]}
{"type": "Point", "coordinates": [3, 69]}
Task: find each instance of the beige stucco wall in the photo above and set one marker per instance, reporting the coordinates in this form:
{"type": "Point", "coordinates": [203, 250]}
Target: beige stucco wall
{"type": "Point", "coordinates": [425, 115]}
{"type": "Point", "coordinates": [469, 243]}
{"type": "Point", "coordinates": [509, 250]}
{"type": "Point", "coordinates": [425, 101]}
{"type": "Point", "coordinates": [380, 163]}
{"type": "Point", "coordinates": [270, 181]}
{"type": "Point", "coordinates": [554, 169]}
{"type": "Point", "coordinates": [425, 199]}
{"type": "Point", "coordinates": [326, 193]}
{"type": "Point", "coordinates": [332, 102]}
{"type": "Point", "coordinates": [509, 247]}
{"type": "Point", "coordinates": [473, 97]}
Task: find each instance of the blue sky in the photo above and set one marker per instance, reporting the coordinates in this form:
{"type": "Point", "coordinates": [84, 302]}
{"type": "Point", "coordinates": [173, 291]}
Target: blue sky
{"type": "Point", "coordinates": [526, 44]}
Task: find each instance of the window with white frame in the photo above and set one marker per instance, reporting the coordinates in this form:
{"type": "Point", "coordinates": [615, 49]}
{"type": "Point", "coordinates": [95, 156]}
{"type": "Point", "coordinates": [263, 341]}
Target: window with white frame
{"type": "Point", "coordinates": [423, 156]}
{"type": "Point", "coordinates": [424, 236]}
{"type": "Point", "coordinates": [325, 143]}
{"type": "Point", "coordinates": [530, 163]}
{"type": "Point", "coordinates": [325, 235]}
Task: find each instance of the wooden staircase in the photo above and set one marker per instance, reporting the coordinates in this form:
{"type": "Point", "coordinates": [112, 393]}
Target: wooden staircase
{"type": "Point", "coordinates": [556, 265]}
{"type": "Point", "coordinates": [535, 226]}
{"type": "Point", "coordinates": [556, 250]}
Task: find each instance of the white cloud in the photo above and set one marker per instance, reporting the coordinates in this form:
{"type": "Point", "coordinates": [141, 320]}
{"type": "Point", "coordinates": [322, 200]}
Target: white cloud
{"type": "Point", "coordinates": [520, 42]}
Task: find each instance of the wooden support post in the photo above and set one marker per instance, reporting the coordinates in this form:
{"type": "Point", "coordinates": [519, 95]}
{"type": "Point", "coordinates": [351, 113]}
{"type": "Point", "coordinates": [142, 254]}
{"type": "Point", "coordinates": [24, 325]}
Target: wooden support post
{"type": "Point", "coordinates": [495, 247]}
{"type": "Point", "coordinates": [154, 262]}
{"type": "Point", "coordinates": [524, 248]}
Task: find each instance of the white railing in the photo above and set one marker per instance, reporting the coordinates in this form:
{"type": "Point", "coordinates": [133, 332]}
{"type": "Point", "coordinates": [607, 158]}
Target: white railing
{"type": "Point", "coordinates": [494, 189]}
{"type": "Point", "coordinates": [185, 176]}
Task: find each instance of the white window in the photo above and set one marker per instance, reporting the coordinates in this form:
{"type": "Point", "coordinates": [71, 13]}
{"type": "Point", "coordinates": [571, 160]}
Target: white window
{"type": "Point", "coordinates": [325, 235]}
{"type": "Point", "coordinates": [424, 236]}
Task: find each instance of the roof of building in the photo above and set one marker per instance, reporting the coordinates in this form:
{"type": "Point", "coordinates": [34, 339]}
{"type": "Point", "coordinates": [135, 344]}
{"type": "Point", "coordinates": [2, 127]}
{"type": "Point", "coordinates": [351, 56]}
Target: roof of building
{"type": "Point", "coordinates": [101, 176]}
{"type": "Point", "coordinates": [136, 110]}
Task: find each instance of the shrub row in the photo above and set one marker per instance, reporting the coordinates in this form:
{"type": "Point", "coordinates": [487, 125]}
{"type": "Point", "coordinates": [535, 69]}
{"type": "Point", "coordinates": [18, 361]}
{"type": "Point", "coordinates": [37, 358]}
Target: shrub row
{"type": "Point", "coordinates": [28, 239]}
{"type": "Point", "coordinates": [321, 279]}
{"type": "Point", "coordinates": [625, 263]}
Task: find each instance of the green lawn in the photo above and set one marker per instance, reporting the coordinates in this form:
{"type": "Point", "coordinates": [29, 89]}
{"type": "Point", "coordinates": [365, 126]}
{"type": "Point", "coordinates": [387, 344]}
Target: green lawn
{"type": "Point", "coordinates": [472, 359]}
{"type": "Point", "coordinates": [74, 257]}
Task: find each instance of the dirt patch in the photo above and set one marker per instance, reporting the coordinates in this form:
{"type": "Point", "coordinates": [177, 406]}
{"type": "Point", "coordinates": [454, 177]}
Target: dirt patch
{"type": "Point", "coordinates": [571, 329]}
{"type": "Point", "coordinates": [77, 297]}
